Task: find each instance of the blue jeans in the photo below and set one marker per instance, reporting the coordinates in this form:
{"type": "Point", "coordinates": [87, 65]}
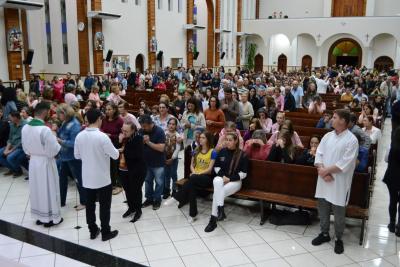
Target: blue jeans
{"type": "Point", "coordinates": [13, 160]}
{"type": "Point", "coordinates": [170, 172]}
{"type": "Point", "coordinates": [157, 175]}
{"type": "Point", "coordinates": [71, 168]}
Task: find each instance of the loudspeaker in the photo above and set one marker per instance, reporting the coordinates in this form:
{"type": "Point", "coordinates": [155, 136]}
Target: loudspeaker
{"type": "Point", "coordinates": [29, 57]}
{"type": "Point", "coordinates": [159, 55]}
{"type": "Point", "coordinates": [222, 55]}
{"type": "Point", "coordinates": [196, 55]}
{"type": "Point", "coordinates": [109, 55]}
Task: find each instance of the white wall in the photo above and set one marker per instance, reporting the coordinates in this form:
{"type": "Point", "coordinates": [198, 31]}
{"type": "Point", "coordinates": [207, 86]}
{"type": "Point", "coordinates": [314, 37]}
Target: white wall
{"type": "Point", "coordinates": [306, 46]}
{"type": "Point", "coordinates": [127, 35]}
{"type": "Point", "coordinates": [37, 41]}
{"type": "Point", "coordinates": [383, 45]}
{"type": "Point", "coordinates": [280, 44]}
{"type": "Point", "coordinates": [292, 8]}
{"type": "Point", "coordinates": [387, 7]}
{"type": "Point", "coordinates": [3, 49]}
{"type": "Point", "coordinates": [170, 33]}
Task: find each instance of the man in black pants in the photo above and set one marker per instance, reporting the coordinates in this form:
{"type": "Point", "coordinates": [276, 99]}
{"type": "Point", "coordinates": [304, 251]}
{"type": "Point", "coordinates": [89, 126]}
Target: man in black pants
{"type": "Point", "coordinates": [94, 148]}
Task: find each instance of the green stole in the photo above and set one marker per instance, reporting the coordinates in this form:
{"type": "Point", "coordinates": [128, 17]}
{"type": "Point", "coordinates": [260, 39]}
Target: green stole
{"type": "Point", "coordinates": [36, 122]}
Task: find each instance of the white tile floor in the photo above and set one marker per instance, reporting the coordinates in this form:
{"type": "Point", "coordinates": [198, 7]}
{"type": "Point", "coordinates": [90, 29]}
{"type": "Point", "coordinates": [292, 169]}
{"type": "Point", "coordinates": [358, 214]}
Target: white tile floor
{"type": "Point", "coordinates": [165, 238]}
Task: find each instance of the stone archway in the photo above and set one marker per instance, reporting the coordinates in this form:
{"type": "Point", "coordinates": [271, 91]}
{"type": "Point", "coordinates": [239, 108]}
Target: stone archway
{"type": "Point", "coordinates": [383, 63]}
{"type": "Point", "coordinates": [282, 63]}
{"type": "Point", "coordinates": [139, 63]}
{"type": "Point", "coordinates": [345, 51]}
{"type": "Point", "coordinates": [258, 63]}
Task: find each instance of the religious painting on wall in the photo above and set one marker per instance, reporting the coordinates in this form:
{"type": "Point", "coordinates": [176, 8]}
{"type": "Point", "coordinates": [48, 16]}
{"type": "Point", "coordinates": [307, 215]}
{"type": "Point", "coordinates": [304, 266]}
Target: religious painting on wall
{"type": "Point", "coordinates": [99, 41]}
{"type": "Point", "coordinates": [14, 40]}
{"type": "Point", "coordinates": [153, 44]}
{"type": "Point", "coordinates": [120, 63]}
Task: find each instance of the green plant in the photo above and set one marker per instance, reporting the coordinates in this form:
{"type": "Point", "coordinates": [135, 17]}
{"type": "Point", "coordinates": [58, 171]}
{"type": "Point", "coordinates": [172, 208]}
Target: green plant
{"type": "Point", "coordinates": [251, 56]}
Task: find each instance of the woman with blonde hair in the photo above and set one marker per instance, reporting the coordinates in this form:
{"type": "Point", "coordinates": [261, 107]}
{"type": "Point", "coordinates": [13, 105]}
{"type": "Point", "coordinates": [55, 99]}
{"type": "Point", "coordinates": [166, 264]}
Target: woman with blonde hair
{"type": "Point", "coordinates": [66, 134]}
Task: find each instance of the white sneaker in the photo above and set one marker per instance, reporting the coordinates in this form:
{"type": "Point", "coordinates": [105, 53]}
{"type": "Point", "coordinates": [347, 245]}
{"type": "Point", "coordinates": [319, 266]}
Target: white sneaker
{"type": "Point", "coordinates": [170, 201]}
{"type": "Point", "coordinates": [192, 219]}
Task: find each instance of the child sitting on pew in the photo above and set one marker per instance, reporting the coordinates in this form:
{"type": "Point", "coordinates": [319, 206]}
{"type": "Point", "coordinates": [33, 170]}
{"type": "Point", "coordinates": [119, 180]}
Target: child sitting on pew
{"type": "Point", "coordinates": [257, 147]}
{"type": "Point", "coordinates": [288, 126]}
{"type": "Point", "coordinates": [283, 150]}
{"type": "Point", "coordinates": [230, 127]}
{"type": "Point", "coordinates": [308, 156]}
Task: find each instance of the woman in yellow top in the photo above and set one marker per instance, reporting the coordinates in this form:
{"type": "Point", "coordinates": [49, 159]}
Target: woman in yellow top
{"type": "Point", "coordinates": [203, 159]}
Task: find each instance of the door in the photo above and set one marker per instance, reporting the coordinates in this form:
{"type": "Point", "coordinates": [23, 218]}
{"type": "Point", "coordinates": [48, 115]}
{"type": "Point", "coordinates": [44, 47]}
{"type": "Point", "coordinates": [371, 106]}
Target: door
{"type": "Point", "coordinates": [258, 63]}
{"type": "Point", "coordinates": [282, 63]}
{"type": "Point", "coordinates": [139, 63]}
{"type": "Point", "coordinates": [306, 63]}
{"type": "Point", "coordinates": [383, 63]}
{"type": "Point", "coordinates": [348, 8]}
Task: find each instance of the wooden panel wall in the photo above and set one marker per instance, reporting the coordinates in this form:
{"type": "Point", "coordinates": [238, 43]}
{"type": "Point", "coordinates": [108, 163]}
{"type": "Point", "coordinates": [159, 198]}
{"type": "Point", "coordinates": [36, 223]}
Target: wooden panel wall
{"type": "Point", "coordinates": [189, 33]}
{"type": "Point", "coordinates": [348, 8]}
{"type": "Point", "coordinates": [24, 27]}
{"type": "Point", "coordinates": [238, 29]}
{"type": "Point", "coordinates": [151, 24]}
{"type": "Point", "coordinates": [257, 9]}
{"type": "Point", "coordinates": [217, 35]}
{"type": "Point", "coordinates": [97, 26]}
{"type": "Point", "coordinates": [11, 20]}
{"type": "Point", "coordinates": [83, 37]}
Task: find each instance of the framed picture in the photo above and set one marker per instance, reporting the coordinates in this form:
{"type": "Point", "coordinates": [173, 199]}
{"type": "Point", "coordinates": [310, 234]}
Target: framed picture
{"type": "Point", "coordinates": [14, 37]}
{"type": "Point", "coordinates": [120, 62]}
{"type": "Point", "coordinates": [99, 41]}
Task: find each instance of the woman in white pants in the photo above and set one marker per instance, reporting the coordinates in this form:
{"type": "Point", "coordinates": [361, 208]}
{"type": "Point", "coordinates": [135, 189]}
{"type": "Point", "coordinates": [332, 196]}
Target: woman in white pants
{"type": "Point", "coordinates": [230, 168]}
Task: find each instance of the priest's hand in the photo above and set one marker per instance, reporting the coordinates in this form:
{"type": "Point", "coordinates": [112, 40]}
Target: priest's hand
{"type": "Point", "coordinates": [328, 178]}
{"type": "Point", "coordinates": [323, 172]}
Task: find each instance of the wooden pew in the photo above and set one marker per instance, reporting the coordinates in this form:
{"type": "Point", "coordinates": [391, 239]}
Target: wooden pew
{"type": "Point", "coordinates": [310, 131]}
{"type": "Point", "coordinates": [294, 185]}
{"type": "Point", "coordinates": [303, 121]}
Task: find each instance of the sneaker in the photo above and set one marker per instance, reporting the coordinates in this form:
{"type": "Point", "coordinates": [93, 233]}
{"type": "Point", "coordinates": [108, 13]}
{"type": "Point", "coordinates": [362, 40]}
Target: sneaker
{"type": "Point", "coordinates": [94, 235]}
{"type": "Point", "coordinates": [339, 249]}
{"type": "Point", "coordinates": [156, 205]}
{"type": "Point", "coordinates": [170, 202]}
{"type": "Point", "coordinates": [392, 227]}
{"type": "Point", "coordinates": [116, 190]}
{"type": "Point", "coordinates": [127, 213]}
{"type": "Point", "coordinates": [80, 207]}
{"type": "Point", "coordinates": [147, 203]}
{"type": "Point", "coordinates": [192, 219]}
{"type": "Point", "coordinates": [109, 236]}
{"type": "Point", "coordinates": [321, 238]}
{"type": "Point", "coordinates": [17, 174]}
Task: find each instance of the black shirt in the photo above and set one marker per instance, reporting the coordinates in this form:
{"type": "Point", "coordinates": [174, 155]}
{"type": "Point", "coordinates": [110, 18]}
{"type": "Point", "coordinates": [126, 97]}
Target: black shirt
{"type": "Point", "coordinates": [153, 158]}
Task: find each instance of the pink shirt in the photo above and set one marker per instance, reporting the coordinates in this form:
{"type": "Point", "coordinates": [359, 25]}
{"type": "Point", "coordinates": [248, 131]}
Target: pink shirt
{"type": "Point", "coordinates": [279, 102]}
{"type": "Point", "coordinates": [95, 97]}
{"type": "Point", "coordinates": [295, 139]}
{"type": "Point", "coordinates": [266, 125]}
{"type": "Point", "coordinates": [312, 108]}
{"type": "Point", "coordinates": [116, 99]}
{"type": "Point", "coordinates": [130, 117]}
{"type": "Point", "coordinates": [275, 127]}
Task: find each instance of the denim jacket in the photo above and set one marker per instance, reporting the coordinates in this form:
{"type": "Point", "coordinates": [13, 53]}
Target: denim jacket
{"type": "Point", "coordinates": [67, 133]}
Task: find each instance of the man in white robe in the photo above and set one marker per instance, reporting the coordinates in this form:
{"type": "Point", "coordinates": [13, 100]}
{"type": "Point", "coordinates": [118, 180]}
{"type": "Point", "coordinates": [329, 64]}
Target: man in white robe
{"type": "Point", "coordinates": [41, 146]}
{"type": "Point", "coordinates": [336, 159]}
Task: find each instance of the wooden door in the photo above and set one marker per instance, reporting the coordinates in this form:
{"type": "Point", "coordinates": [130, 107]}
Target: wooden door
{"type": "Point", "coordinates": [348, 8]}
{"type": "Point", "coordinates": [383, 63]}
{"type": "Point", "coordinates": [258, 63]}
{"type": "Point", "coordinates": [282, 63]}
{"type": "Point", "coordinates": [139, 63]}
{"type": "Point", "coordinates": [306, 63]}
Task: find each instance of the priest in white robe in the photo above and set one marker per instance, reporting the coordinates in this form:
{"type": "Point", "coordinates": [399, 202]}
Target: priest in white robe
{"type": "Point", "coordinates": [336, 159]}
{"type": "Point", "coordinates": [41, 146]}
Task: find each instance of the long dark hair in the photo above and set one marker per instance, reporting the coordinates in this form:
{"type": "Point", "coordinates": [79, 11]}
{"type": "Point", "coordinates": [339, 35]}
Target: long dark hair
{"type": "Point", "coordinates": [115, 108]}
{"type": "Point", "coordinates": [289, 147]}
{"type": "Point", "coordinates": [193, 101]}
{"type": "Point", "coordinates": [237, 154]}
{"type": "Point", "coordinates": [210, 142]}
{"type": "Point", "coordinates": [9, 94]}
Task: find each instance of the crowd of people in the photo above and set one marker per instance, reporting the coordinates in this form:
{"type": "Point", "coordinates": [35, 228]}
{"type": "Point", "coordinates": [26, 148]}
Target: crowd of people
{"type": "Point", "coordinates": [86, 130]}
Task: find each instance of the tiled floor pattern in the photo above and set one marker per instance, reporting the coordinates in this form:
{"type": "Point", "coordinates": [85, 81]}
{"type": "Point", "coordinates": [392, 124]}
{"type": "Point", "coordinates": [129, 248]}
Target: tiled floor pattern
{"type": "Point", "coordinates": [165, 238]}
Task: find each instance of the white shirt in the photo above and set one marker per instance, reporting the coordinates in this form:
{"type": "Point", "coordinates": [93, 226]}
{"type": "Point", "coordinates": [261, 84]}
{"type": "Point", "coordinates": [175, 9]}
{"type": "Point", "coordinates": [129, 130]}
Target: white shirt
{"type": "Point", "coordinates": [375, 134]}
{"type": "Point", "coordinates": [94, 148]}
{"type": "Point", "coordinates": [322, 85]}
{"type": "Point", "coordinates": [340, 150]}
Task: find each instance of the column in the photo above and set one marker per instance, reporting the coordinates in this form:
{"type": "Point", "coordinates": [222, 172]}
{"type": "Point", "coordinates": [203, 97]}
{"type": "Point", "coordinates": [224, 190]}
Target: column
{"type": "Point", "coordinates": [327, 8]}
{"type": "Point", "coordinates": [151, 32]}
{"type": "Point", "coordinates": [370, 8]}
{"type": "Point", "coordinates": [217, 35]}
{"type": "Point", "coordinates": [97, 26]}
{"type": "Point", "coordinates": [189, 33]}
{"type": "Point", "coordinates": [14, 58]}
{"type": "Point", "coordinates": [397, 59]}
{"type": "Point", "coordinates": [83, 37]}
{"type": "Point", "coordinates": [370, 63]}
{"type": "Point", "coordinates": [238, 29]}
{"type": "Point", "coordinates": [318, 63]}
